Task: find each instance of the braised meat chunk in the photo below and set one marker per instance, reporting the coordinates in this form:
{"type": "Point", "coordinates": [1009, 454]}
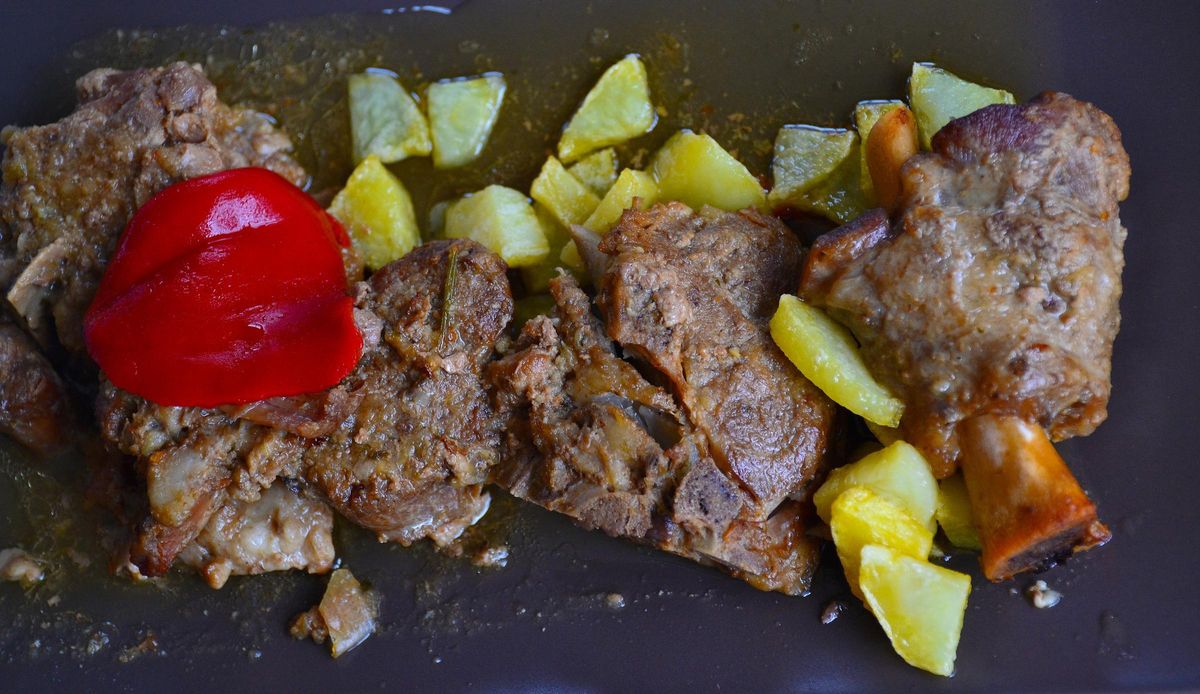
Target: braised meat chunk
{"type": "Point", "coordinates": [993, 297]}
{"type": "Point", "coordinates": [70, 187]}
{"type": "Point", "coordinates": [403, 446]}
{"type": "Point", "coordinates": [33, 406]}
{"type": "Point", "coordinates": [591, 437]}
{"type": "Point", "coordinates": [691, 295]}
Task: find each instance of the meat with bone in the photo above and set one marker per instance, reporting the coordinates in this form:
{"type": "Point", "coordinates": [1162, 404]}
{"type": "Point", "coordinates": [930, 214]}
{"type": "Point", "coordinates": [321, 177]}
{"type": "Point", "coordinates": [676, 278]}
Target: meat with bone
{"type": "Point", "coordinates": [594, 439]}
{"type": "Point", "coordinates": [402, 446]}
{"type": "Point", "coordinates": [995, 293]}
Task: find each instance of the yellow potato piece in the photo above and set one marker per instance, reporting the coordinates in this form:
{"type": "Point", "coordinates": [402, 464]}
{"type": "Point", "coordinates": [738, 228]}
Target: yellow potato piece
{"type": "Point", "coordinates": [804, 156]}
{"type": "Point", "coordinates": [537, 277]}
{"type": "Point", "coordinates": [572, 260]}
{"type": "Point", "coordinates": [617, 109]}
{"type": "Point", "coordinates": [378, 214]}
{"type": "Point", "coordinates": [462, 113]}
{"type": "Point", "coordinates": [919, 605]}
{"type": "Point", "coordinates": [693, 169]}
{"type": "Point", "coordinates": [385, 120]}
{"type": "Point", "coordinates": [827, 355]}
{"type": "Point", "coordinates": [597, 171]}
{"type": "Point", "coordinates": [503, 220]}
{"type": "Point", "coordinates": [562, 194]}
{"type": "Point", "coordinates": [861, 517]}
{"type": "Point", "coordinates": [866, 114]}
{"type": "Point", "coordinates": [898, 472]}
{"type": "Point", "coordinates": [937, 97]}
{"type": "Point", "coordinates": [630, 184]}
{"type": "Point", "coordinates": [954, 513]}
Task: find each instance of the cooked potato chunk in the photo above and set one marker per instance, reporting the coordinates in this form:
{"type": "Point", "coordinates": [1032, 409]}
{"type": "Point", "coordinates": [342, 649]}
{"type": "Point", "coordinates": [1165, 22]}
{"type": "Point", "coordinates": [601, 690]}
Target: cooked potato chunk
{"type": "Point", "coordinates": [937, 97]}
{"type": "Point", "coordinates": [695, 170]}
{"type": "Point", "coordinates": [866, 113]}
{"type": "Point", "coordinates": [861, 517]}
{"type": "Point", "coordinates": [562, 194]}
{"type": "Point", "coordinates": [537, 277]}
{"type": "Point", "coordinates": [804, 156]}
{"type": "Point", "coordinates": [462, 113]}
{"type": "Point", "coordinates": [840, 196]}
{"type": "Point", "coordinates": [385, 120]}
{"type": "Point", "coordinates": [377, 213]}
{"type": "Point", "coordinates": [572, 260]}
{"type": "Point", "coordinates": [597, 171]}
{"type": "Point", "coordinates": [919, 605]}
{"type": "Point", "coordinates": [898, 472]}
{"type": "Point", "coordinates": [630, 184]}
{"type": "Point", "coordinates": [827, 355]}
{"type": "Point", "coordinates": [502, 219]}
{"type": "Point", "coordinates": [954, 513]}
{"type": "Point", "coordinates": [617, 109]}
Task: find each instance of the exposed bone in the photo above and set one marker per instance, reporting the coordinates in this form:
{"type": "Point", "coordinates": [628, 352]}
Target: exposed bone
{"type": "Point", "coordinates": [1029, 508]}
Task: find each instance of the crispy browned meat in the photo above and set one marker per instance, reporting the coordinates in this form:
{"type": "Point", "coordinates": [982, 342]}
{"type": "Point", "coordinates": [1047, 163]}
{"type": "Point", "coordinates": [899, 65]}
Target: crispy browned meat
{"type": "Point", "coordinates": [402, 446]}
{"type": "Point", "coordinates": [33, 407]}
{"type": "Point", "coordinates": [996, 289]}
{"type": "Point", "coordinates": [70, 187]}
{"type": "Point", "coordinates": [592, 438]}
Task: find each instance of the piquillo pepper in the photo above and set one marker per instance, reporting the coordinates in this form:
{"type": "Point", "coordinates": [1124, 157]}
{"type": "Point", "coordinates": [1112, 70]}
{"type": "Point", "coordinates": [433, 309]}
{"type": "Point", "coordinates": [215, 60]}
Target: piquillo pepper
{"type": "Point", "coordinates": [225, 289]}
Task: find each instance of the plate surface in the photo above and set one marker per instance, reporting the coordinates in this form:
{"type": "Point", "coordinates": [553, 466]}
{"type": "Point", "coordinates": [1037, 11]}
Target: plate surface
{"type": "Point", "coordinates": [1130, 616]}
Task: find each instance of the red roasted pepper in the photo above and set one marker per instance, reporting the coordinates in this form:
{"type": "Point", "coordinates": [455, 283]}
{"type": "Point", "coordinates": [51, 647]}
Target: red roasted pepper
{"type": "Point", "coordinates": [225, 289]}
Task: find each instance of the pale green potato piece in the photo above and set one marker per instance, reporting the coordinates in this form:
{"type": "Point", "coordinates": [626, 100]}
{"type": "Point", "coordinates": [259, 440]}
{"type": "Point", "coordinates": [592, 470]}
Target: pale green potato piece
{"type": "Point", "coordinates": [866, 115]}
{"type": "Point", "coordinates": [898, 472]}
{"type": "Point", "coordinates": [840, 196]}
{"type": "Point", "coordinates": [462, 113]}
{"type": "Point", "coordinates": [693, 169]}
{"type": "Point", "coordinates": [378, 214]}
{"type": "Point", "coordinates": [565, 196]}
{"type": "Point", "coordinates": [437, 219]}
{"type": "Point", "coordinates": [503, 220]}
{"type": "Point", "coordinates": [826, 353]}
{"type": "Point", "coordinates": [938, 97]}
{"type": "Point", "coordinates": [804, 156]}
{"type": "Point", "coordinates": [919, 605]}
{"type": "Point", "coordinates": [617, 109]}
{"type": "Point", "coordinates": [954, 513]}
{"type": "Point", "coordinates": [597, 171]}
{"type": "Point", "coordinates": [630, 184]}
{"type": "Point", "coordinates": [385, 119]}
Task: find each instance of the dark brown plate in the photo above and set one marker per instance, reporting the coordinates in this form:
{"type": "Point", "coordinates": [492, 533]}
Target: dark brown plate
{"type": "Point", "coordinates": [1130, 616]}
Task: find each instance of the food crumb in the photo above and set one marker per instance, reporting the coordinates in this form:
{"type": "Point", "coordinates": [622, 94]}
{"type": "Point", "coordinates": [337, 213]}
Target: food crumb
{"type": "Point", "coordinates": [832, 611]}
{"type": "Point", "coordinates": [1042, 596]}
{"type": "Point", "coordinates": [614, 601]}
{"type": "Point", "coordinates": [18, 566]}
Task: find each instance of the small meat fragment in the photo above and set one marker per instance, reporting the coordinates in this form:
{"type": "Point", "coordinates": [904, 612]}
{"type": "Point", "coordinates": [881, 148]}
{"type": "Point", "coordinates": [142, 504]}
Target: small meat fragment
{"type": "Point", "coordinates": [281, 530]}
{"type": "Point", "coordinates": [18, 566]}
{"type": "Point", "coordinates": [70, 187]}
{"type": "Point", "coordinates": [346, 615]}
{"type": "Point", "coordinates": [33, 406]}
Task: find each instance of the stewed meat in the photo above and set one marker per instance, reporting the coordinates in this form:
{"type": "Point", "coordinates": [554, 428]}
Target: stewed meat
{"type": "Point", "coordinates": [70, 187]}
{"type": "Point", "coordinates": [996, 289]}
{"type": "Point", "coordinates": [403, 446]}
{"type": "Point", "coordinates": [33, 406]}
{"type": "Point", "coordinates": [706, 467]}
